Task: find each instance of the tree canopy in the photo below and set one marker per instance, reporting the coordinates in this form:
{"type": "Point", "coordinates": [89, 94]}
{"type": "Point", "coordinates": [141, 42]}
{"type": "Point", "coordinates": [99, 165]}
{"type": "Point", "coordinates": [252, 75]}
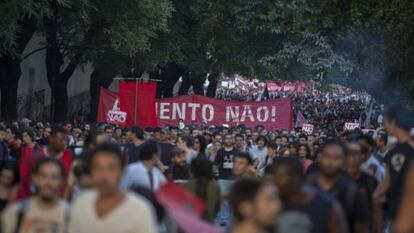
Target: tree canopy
{"type": "Point", "coordinates": [359, 43]}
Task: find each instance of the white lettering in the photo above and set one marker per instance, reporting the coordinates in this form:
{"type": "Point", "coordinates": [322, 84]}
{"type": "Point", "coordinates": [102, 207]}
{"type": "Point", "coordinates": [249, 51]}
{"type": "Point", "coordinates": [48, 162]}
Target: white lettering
{"type": "Point", "coordinates": [178, 113]}
{"type": "Point", "coordinates": [232, 116]}
{"type": "Point", "coordinates": [193, 107]}
{"type": "Point", "coordinates": [247, 112]}
{"type": "Point", "coordinates": [262, 113]}
{"type": "Point", "coordinates": [204, 112]}
{"type": "Point", "coordinates": [164, 108]}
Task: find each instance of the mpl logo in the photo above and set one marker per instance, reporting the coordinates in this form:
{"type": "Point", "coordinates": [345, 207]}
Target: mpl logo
{"type": "Point", "coordinates": [116, 116]}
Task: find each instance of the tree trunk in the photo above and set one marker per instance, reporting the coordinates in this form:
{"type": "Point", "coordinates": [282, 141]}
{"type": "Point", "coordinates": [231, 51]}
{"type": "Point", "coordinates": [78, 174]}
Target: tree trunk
{"type": "Point", "coordinates": [9, 80]}
{"type": "Point", "coordinates": [61, 100]}
{"type": "Point", "coordinates": [99, 78]}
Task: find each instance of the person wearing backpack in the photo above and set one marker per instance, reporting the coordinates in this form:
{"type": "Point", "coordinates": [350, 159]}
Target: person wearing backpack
{"type": "Point", "coordinates": [45, 211]}
{"type": "Point", "coordinates": [332, 179]}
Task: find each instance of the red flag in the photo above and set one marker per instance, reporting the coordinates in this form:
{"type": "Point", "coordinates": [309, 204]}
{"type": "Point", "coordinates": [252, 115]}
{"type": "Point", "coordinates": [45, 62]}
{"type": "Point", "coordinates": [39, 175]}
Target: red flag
{"type": "Point", "coordinates": [108, 108]}
{"type": "Point", "coordinates": [138, 100]}
{"type": "Point", "coordinates": [184, 208]}
{"type": "Point", "coordinates": [147, 115]}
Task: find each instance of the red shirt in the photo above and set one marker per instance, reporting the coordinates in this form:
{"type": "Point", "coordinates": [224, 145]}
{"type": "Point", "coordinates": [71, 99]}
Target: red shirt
{"type": "Point", "coordinates": [24, 190]}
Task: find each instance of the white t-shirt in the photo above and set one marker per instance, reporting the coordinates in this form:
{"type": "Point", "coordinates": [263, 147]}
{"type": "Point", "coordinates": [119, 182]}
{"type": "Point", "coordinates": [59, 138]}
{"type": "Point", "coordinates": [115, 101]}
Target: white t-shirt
{"type": "Point", "coordinates": [133, 215]}
{"type": "Point", "coordinates": [258, 154]}
{"type": "Point", "coordinates": [137, 174]}
{"type": "Point", "coordinates": [36, 220]}
{"type": "Point", "coordinates": [373, 167]}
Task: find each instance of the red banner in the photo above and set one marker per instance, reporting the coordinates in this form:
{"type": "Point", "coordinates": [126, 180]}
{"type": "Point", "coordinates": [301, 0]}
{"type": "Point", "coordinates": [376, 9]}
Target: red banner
{"type": "Point", "coordinates": [108, 108]}
{"type": "Point", "coordinates": [138, 100]}
{"type": "Point", "coordinates": [273, 114]}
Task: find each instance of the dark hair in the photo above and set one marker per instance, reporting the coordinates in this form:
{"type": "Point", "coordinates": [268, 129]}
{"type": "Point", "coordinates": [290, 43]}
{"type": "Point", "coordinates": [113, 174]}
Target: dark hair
{"type": "Point", "coordinates": [262, 138]}
{"type": "Point", "coordinates": [367, 139]}
{"type": "Point", "coordinates": [294, 164]}
{"type": "Point", "coordinates": [14, 167]}
{"type": "Point", "coordinates": [246, 156]}
{"type": "Point", "coordinates": [202, 170]}
{"type": "Point", "coordinates": [48, 160]}
{"type": "Point", "coordinates": [307, 148]}
{"type": "Point", "coordinates": [303, 136]}
{"type": "Point", "coordinates": [58, 129]}
{"type": "Point", "coordinates": [383, 137]}
{"type": "Point", "coordinates": [203, 143]}
{"type": "Point", "coordinates": [272, 145]}
{"type": "Point", "coordinates": [139, 133]}
{"type": "Point", "coordinates": [245, 189]}
{"type": "Point", "coordinates": [401, 115]}
{"type": "Point", "coordinates": [239, 136]}
{"type": "Point", "coordinates": [335, 142]}
{"type": "Point", "coordinates": [148, 149]}
{"type": "Point", "coordinates": [186, 139]}
{"type": "Point", "coordinates": [29, 132]}
{"type": "Point", "coordinates": [109, 148]}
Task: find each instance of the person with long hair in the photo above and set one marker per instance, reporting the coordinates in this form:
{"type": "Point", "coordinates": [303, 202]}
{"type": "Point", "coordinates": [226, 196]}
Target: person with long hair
{"type": "Point", "coordinates": [204, 186]}
{"type": "Point", "coordinates": [304, 153]}
{"type": "Point", "coordinates": [200, 145]}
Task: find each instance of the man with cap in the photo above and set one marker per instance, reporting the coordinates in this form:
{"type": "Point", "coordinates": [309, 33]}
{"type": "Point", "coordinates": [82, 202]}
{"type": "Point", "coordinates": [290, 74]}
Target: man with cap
{"type": "Point", "coordinates": [178, 169]}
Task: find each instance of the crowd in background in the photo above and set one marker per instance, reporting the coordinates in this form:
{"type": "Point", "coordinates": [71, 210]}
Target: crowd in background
{"type": "Point", "coordinates": [102, 178]}
{"type": "Point", "coordinates": [330, 106]}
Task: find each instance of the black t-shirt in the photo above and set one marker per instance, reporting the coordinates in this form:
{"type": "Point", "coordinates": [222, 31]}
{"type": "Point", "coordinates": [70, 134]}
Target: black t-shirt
{"type": "Point", "coordinates": [398, 161]}
{"type": "Point", "coordinates": [312, 217]}
{"type": "Point", "coordinates": [132, 152]}
{"type": "Point", "coordinates": [367, 185]}
{"type": "Point", "coordinates": [178, 172]}
{"type": "Point", "coordinates": [166, 153]}
{"type": "Point", "coordinates": [353, 202]}
{"type": "Point", "coordinates": [224, 162]}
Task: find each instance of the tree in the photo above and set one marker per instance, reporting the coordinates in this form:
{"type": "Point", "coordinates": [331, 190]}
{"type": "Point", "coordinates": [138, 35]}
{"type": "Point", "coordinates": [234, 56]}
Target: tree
{"type": "Point", "coordinates": [83, 30]}
{"type": "Point", "coordinates": [19, 21]}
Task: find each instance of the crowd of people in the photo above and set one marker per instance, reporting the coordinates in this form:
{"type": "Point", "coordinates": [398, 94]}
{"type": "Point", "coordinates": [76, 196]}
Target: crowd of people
{"type": "Point", "coordinates": [330, 106]}
{"type": "Point", "coordinates": [102, 178]}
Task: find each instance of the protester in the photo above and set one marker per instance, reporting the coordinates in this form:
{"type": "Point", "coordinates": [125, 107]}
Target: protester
{"type": "Point", "coordinates": [243, 165]}
{"type": "Point", "coordinates": [9, 178]}
{"type": "Point", "coordinates": [370, 165]}
{"type": "Point", "coordinates": [178, 170]}
{"type": "Point", "coordinates": [45, 211]}
{"type": "Point", "coordinates": [185, 143]}
{"type": "Point", "coordinates": [205, 187]}
{"type": "Point", "coordinates": [200, 146]}
{"type": "Point", "coordinates": [381, 142]}
{"type": "Point", "coordinates": [144, 172]}
{"type": "Point", "coordinates": [304, 153]}
{"type": "Point", "coordinates": [135, 137]}
{"type": "Point", "coordinates": [255, 205]}
{"type": "Point", "coordinates": [108, 209]}
{"type": "Point", "coordinates": [367, 183]}
{"type": "Point", "coordinates": [332, 180]}
{"type": "Point", "coordinates": [56, 148]}
{"type": "Point", "coordinates": [397, 122]}
{"type": "Point", "coordinates": [304, 209]}
{"type": "Point", "coordinates": [26, 151]}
